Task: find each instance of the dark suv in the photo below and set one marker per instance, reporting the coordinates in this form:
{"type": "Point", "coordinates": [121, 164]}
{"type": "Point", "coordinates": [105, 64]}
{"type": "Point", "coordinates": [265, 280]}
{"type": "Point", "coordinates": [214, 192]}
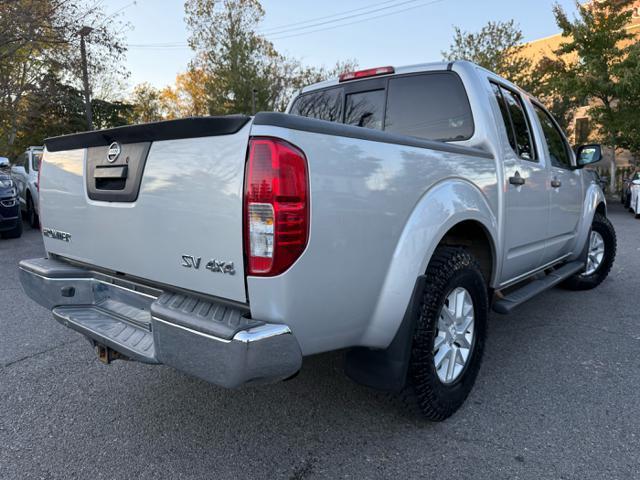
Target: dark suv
{"type": "Point", "coordinates": [10, 219]}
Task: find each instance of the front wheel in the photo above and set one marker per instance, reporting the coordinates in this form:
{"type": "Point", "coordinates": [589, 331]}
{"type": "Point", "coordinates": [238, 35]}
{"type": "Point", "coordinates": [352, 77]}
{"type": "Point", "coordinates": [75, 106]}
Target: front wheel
{"type": "Point", "coordinates": [600, 256]}
{"type": "Point", "coordinates": [449, 338]}
{"type": "Point", "coordinates": [32, 215]}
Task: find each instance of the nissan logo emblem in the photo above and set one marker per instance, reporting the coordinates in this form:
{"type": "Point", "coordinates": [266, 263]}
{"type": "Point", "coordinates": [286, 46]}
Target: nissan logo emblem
{"type": "Point", "coordinates": [113, 152]}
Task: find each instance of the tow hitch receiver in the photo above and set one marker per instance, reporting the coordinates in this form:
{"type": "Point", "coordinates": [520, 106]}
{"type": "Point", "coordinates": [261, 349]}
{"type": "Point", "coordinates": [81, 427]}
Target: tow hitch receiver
{"type": "Point", "coordinates": [106, 355]}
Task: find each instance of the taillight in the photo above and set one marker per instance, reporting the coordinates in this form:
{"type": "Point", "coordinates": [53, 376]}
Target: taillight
{"type": "Point", "coordinates": [370, 72]}
{"type": "Point", "coordinates": [276, 206]}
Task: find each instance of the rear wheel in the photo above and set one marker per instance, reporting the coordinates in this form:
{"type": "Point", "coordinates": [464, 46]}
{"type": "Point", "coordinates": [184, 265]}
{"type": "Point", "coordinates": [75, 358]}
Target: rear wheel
{"type": "Point", "coordinates": [16, 232]}
{"type": "Point", "coordinates": [450, 334]}
{"type": "Point", "coordinates": [32, 215]}
{"type": "Point", "coordinates": [600, 256]}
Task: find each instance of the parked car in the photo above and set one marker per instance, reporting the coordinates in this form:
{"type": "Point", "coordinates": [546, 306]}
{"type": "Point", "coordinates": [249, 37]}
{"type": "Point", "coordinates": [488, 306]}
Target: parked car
{"type": "Point", "coordinates": [634, 194]}
{"type": "Point", "coordinates": [25, 174]}
{"type": "Point", "coordinates": [232, 247]}
{"type": "Point", "coordinates": [10, 218]}
{"type": "Point", "coordinates": [602, 182]}
{"type": "Point", "coordinates": [625, 191]}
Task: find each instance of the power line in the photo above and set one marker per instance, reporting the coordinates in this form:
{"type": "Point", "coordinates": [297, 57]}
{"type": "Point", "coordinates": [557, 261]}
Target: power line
{"type": "Point", "coordinates": [358, 21]}
{"type": "Point", "coordinates": [346, 17]}
{"type": "Point", "coordinates": [268, 30]}
{"type": "Point", "coordinates": [280, 35]}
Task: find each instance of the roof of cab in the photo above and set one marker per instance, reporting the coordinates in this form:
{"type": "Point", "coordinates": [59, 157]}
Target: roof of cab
{"type": "Point", "coordinates": [420, 67]}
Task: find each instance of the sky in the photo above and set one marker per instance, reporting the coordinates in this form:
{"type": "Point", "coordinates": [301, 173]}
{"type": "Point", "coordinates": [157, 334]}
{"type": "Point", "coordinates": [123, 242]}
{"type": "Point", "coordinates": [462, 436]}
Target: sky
{"type": "Point", "coordinates": [376, 32]}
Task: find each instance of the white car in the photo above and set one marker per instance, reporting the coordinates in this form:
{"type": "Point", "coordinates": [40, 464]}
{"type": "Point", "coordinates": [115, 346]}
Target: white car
{"type": "Point", "coordinates": [25, 175]}
{"type": "Point", "coordinates": [634, 191]}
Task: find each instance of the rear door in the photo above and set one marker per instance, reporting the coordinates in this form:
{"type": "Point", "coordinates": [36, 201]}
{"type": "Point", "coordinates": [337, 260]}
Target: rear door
{"type": "Point", "coordinates": [526, 198]}
{"type": "Point", "coordinates": [167, 210]}
{"type": "Point", "coordinates": [565, 189]}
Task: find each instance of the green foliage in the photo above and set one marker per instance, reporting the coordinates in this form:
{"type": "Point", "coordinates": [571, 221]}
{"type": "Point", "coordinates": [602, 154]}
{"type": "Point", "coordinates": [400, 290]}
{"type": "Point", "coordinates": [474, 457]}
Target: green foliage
{"type": "Point", "coordinates": [496, 47]}
{"type": "Point", "coordinates": [146, 104]}
{"type": "Point", "coordinates": [240, 65]}
{"type": "Point", "coordinates": [599, 67]}
{"type": "Point", "coordinates": [598, 57]}
{"type": "Point", "coordinates": [39, 53]}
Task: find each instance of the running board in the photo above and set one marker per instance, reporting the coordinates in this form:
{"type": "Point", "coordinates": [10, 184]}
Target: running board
{"type": "Point", "coordinates": [512, 300]}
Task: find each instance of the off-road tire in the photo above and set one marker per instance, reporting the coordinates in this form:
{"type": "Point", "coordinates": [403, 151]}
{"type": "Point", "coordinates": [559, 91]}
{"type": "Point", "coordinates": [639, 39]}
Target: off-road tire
{"type": "Point", "coordinates": [449, 268]}
{"type": "Point", "coordinates": [16, 232]}
{"type": "Point", "coordinates": [580, 281]}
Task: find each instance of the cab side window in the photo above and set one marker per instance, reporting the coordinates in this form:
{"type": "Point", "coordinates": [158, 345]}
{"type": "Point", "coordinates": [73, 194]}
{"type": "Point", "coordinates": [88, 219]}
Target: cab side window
{"type": "Point", "coordinates": [516, 122]}
{"type": "Point", "coordinates": [558, 148]}
{"type": "Point", "coordinates": [25, 162]}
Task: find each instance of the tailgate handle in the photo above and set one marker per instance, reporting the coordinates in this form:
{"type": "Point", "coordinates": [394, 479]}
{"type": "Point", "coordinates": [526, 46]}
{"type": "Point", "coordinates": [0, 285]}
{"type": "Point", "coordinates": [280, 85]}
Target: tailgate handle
{"type": "Point", "coordinates": [115, 172]}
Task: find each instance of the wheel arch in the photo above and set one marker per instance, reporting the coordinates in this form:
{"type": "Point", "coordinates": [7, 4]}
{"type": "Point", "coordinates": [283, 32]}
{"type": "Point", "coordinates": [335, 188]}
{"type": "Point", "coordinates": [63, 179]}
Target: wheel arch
{"type": "Point", "coordinates": [447, 213]}
{"type": "Point", "coordinates": [594, 202]}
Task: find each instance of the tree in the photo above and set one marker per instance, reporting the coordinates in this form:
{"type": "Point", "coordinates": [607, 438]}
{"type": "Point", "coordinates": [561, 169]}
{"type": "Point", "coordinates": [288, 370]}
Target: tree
{"type": "Point", "coordinates": [241, 66]}
{"type": "Point", "coordinates": [146, 104]}
{"type": "Point", "coordinates": [189, 96]}
{"type": "Point", "coordinates": [52, 109]}
{"type": "Point", "coordinates": [496, 47]}
{"type": "Point", "coordinates": [38, 39]}
{"type": "Point", "coordinates": [597, 55]}
{"type": "Point", "coordinates": [243, 70]}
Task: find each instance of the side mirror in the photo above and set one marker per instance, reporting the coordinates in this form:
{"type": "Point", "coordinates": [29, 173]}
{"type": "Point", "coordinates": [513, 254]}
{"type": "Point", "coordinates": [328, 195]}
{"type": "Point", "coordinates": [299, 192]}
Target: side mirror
{"type": "Point", "coordinates": [588, 154]}
{"type": "Point", "coordinates": [4, 162]}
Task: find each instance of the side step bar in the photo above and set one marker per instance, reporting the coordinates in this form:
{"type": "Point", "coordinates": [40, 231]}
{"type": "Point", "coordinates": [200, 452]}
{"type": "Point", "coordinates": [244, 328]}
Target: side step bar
{"type": "Point", "coordinates": [517, 297]}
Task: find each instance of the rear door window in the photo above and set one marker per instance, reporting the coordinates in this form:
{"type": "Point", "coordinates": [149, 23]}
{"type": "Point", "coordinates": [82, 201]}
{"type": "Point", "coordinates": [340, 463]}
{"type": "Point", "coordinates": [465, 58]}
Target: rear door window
{"type": "Point", "coordinates": [520, 137]}
{"type": "Point", "coordinates": [504, 112]}
{"type": "Point", "coordinates": [365, 109]}
{"type": "Point", "coordinates": [323, 105]}
{"type": "Point", "coordinates": [558, 148]}
{"type": "Point", "coordinates": [433, 106]}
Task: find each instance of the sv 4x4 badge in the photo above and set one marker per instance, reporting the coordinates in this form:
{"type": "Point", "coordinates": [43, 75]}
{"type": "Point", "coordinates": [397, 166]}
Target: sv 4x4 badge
{"type": "Point", "coordinates": [213, 265]}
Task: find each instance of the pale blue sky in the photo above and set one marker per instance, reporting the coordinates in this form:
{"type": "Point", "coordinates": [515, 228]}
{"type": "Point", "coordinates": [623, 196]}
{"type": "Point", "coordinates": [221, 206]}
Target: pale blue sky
{"type": "Point", "coordinates": [418, 32]}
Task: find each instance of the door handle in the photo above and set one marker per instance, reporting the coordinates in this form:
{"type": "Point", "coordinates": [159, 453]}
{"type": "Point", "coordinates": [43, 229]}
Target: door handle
{"type": "Point", "coordinates": [555, 183]}
{"type": "Point", "coordinates": [516, 179]}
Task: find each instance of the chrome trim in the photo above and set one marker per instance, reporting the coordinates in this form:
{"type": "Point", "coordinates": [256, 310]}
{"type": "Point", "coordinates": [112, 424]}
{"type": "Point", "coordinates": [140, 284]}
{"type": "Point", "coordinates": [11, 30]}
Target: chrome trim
{"type": "Point", "coordinates": [262, 332]}
{"type": "Point", "coordinates": [191, 331]}
{"type": "Point", "coordinates": [260, 354]}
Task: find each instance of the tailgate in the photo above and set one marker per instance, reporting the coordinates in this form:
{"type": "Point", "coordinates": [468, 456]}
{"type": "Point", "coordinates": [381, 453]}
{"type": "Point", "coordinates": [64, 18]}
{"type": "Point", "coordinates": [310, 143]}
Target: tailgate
{"type": "Point", "coordinates": [161, 202]}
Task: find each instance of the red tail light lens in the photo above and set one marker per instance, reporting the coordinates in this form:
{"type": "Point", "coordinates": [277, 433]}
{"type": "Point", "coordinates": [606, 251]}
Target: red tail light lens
{"type": "Point", "coordinates": [276, 206]}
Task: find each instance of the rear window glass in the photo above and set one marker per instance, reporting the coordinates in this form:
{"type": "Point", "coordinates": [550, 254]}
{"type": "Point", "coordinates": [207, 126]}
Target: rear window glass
{"type": "Point", "coordinates": [324, 105]}
{"type": "Point", "coordinates": [433, 106]}
{"type": "Point", "coordinates": [365, 109]}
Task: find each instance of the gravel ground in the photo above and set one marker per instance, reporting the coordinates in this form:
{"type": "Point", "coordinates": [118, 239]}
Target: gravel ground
{"type": "Point", "coordinates": [557, 397]}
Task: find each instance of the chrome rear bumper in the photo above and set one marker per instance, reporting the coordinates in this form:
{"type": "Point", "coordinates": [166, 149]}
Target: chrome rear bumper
{"type": "Point", "coordinates": [216, 342]}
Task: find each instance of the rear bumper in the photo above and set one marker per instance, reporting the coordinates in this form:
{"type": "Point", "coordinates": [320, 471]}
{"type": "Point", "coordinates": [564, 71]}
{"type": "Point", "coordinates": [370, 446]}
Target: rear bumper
{"type": "Point", "coordinates": [216, 342]}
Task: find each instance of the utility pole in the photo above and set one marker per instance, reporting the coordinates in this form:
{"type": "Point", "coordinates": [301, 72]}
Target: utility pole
{"type": "Point", "coordinates": [254, 92]}
{"type": "Point", "coordinates": [85, 76]}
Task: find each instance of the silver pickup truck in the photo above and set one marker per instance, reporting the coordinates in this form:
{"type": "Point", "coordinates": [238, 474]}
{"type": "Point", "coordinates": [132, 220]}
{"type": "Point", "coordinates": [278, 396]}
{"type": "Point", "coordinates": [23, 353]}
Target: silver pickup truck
{"type": "Point", "coordinates": [384, 214]}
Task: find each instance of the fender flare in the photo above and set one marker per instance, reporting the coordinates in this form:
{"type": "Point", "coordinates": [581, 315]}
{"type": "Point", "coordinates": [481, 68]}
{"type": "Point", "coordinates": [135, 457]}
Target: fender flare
{"type": "Point", "coordinates": [443, 206]}
{"type": "Point", "coordinates": [593, 197]}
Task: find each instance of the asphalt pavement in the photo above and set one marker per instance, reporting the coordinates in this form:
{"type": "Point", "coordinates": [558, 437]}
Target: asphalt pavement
{"type": "Point", "coordinates": [557, 397]}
